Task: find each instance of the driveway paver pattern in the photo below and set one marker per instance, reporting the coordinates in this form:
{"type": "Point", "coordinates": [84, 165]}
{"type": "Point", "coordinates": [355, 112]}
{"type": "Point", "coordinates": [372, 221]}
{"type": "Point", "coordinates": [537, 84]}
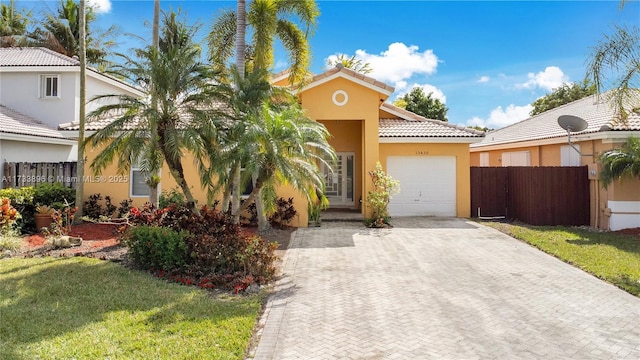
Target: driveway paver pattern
{"type": "Point", "coordinates": [433, 288]}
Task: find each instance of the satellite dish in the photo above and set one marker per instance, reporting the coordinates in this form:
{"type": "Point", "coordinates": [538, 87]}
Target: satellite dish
{"type": "Point", "coordinates": [572, 123]}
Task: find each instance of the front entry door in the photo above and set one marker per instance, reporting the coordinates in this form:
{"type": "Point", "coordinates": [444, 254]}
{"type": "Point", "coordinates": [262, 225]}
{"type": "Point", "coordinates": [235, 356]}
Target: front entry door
{"type": "Point", "coordinates": [339, 182]}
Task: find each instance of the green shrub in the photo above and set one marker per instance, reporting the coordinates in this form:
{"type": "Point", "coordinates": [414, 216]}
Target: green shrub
{"type": "Point", "coordinates": [54, 195]}
{"type": "Point", "coordinates": [171, 197]}
{"type": "Point", "coordinates": [154, 247]}
{"type": "Point", "coordinates": [22, 200]}
{"type": "Point", "coordinates": [215, 245]}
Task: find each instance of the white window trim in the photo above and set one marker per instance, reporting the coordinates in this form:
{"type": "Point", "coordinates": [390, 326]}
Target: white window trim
{"type": "Point", "coordinates": [509, 154]}
{"type": "Point", "coordinates": [570, 156]}
{"type": "Point", "coordinates": [484, 159]}
{"type": "Point", "coordinates": [131, 194]}
{"type": "Point", "coordinates": [43, 86]}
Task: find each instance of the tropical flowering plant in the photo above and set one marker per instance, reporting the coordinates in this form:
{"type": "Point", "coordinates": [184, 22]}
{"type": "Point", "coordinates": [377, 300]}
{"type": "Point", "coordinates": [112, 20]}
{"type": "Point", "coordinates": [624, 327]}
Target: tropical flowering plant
{"type": "Point", "coordinates": [61, 223]}
{"type": "Point", "coordinates": [8, 216]}
{"type": "Point", "coordinates": [384, 186]}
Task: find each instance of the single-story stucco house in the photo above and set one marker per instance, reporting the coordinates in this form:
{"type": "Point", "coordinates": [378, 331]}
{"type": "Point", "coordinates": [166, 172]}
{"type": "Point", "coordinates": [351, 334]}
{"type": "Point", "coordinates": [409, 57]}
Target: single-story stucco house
{"type": "Point", "coordinates": [430, 158]}
{"type": "Point", "coordinates": [540, 141]}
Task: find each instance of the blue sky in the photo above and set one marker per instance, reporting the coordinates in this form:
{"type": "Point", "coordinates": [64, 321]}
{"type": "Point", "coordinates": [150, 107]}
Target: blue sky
{"type": "Point", "coordinates": [488, 60]}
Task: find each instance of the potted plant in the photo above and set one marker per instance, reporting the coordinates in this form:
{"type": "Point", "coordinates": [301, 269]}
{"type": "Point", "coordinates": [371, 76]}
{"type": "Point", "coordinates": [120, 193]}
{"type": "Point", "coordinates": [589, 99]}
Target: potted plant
{"type": "Point", "coordinates": [43, 216]}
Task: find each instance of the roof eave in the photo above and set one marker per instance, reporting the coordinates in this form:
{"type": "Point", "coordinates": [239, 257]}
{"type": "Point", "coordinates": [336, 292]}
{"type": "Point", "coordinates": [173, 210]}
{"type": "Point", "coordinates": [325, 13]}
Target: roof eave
{"type": "Point", "coordinates": [37, 139]}
{"type": "Point", "coordinates": [605, 136]}
{"type": "Point", "coordinates": [425, 140]}
{"type": "Point", "coordinates": [340, 74]}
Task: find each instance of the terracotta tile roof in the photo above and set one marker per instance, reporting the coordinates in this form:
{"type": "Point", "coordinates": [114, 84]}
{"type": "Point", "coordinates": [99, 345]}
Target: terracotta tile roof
{"type": "Point", "coordinates": [13, 122]}
{"type": "Point", "coordinates": [414, 125]}
{"type": "Point", "coordinates": [429, 128]}
{"type": "Point", "coordinates": [595, 110]}
{"type": "Point", "coordinates": [353, 74]}
{"type": "Point", "coordinates": [27, 56]}
{"type": "Point", "coordinates": [94, 124]}
{"type": "Point", "coordinates": [97, 124]}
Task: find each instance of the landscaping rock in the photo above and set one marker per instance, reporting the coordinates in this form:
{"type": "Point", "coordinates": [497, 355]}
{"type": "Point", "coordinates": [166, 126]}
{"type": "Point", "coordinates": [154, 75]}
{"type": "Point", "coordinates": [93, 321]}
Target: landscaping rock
{"type": "Point", "coordinates": [65, 241]}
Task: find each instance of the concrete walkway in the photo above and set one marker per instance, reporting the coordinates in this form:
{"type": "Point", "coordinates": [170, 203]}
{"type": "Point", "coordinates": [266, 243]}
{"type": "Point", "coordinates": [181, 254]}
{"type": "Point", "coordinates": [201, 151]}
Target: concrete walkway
{"type": "Point", "coordinates": [439, 288]}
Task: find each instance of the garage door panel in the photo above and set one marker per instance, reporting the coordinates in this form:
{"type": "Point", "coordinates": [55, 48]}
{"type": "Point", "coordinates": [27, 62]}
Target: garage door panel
{"type": "Point", "coordinates": [427, 185]}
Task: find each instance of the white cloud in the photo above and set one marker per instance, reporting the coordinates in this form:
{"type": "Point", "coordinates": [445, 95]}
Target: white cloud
{"type": "Point", "coordinates": [399, 62]}
{"type": "Point", "coordinates": [484, 79]}
{"type": "Point", "coordinates": [426, 88]}
{"type": "Point", "coordinates": [100, 6]}
{"type": "Point", "coordinates": [549, 79]}
{"type": "Point", "coordinates": [280, 65]}
{"type": "Point", "coordinates": [500, 117]}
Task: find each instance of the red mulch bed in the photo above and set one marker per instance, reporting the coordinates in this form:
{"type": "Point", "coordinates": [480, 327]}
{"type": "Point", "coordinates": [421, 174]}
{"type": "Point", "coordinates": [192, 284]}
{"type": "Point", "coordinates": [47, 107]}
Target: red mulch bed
{"type": "Point", "coordinates": [98, 240]}
{"type": "Point", "coordinates": [102, 241]}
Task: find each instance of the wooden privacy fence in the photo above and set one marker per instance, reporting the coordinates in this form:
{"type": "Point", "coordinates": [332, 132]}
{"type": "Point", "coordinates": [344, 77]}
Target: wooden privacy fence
{"type": "Point", "coordinates": [21, 174]}
{"type": "Point", "coordinates": [534, 195]}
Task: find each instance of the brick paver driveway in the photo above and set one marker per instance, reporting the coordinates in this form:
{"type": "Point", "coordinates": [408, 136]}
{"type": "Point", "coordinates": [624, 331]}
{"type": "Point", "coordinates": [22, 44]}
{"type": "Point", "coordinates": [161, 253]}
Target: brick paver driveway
{"type": "Point", "coordinates": [440, 288]}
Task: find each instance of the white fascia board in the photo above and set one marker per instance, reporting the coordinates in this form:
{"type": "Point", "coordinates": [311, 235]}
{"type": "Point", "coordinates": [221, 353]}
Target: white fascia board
{"type": "Point", "coordinates": [607, 136]}
{"type": "Point", "coordinates": [37, 139]}
{"type": "Point", "coordinates": [76, 133]}
{"type": "Point", "coordinates": [340, 74]}
{"type": "Point", "coordinates": [426, 140]}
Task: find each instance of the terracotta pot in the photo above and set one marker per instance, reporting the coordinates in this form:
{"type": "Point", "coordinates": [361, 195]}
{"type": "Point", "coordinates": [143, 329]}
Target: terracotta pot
{"type": "Point", "coordinates": [43, 220]}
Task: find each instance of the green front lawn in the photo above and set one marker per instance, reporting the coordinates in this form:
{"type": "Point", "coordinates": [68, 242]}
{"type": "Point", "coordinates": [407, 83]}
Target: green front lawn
{"type": "Point", "coordinates": [609, 256]}
{"type": "Point", "coordinates": [80, 308]}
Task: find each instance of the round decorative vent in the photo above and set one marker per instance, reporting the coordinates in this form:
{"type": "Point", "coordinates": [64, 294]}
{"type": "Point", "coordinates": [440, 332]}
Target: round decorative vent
{"type": "Point", "coordinates": [340, 97]}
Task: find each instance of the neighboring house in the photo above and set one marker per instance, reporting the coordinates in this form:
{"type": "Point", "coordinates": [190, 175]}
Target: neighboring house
{"type": "Point", "coordinates": [430, 158]}
{"type": "Point", "coordinates": [39, 90]}
{"type": "Point", "coordinates": [24, 139]}
{"type": "Point", "coordinates": [540, 141]}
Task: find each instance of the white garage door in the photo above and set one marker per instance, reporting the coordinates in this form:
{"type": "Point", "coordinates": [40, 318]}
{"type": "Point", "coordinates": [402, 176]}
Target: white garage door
{"type": "Point", "coordinates": [427, 185]}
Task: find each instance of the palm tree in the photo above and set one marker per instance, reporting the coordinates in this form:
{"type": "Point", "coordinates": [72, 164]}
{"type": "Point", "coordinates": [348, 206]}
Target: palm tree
{"type": "Point", "coordinates": [350, 62]}
{"type": "Point", "coordinates": [13, 25]}
{"type": "Point", "coordinates": [60, 32]}
{"type": "Point", "coordinates": [180, 123]}
{"type": "Point", "coordinates": [266, 17]}
{"type": "Point", "coordinates": [621, 162]}
{"type": "Point", "coordinates": [268, 20]}
{"type": "Point", "coordinates": [282, 147]}
{"type": "Point", "coordinates": [82, 112]}
{"type": "Point", "coordinates": [617, 54]}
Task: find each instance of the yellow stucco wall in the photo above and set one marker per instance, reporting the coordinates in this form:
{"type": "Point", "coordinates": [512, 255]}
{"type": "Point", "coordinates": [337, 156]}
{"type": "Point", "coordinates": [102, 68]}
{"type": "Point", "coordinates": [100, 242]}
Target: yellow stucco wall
{"type": "Point", "coordinates": [460, 151]}
{"type": "Point", "coordinates": [362, 105]}
{"type": "Point", "coordinates": [108, 182]}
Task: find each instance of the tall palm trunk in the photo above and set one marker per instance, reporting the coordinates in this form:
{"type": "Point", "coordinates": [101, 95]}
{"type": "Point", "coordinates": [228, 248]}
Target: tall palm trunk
{"type": "Point", "coordinates": [83, 100]}
{"type": "Point", "coordinates": [177, 171]}
{"type": "Point", "coordinates": [241, 29]}
{"type": "Point", "coordinates": [155, 42]}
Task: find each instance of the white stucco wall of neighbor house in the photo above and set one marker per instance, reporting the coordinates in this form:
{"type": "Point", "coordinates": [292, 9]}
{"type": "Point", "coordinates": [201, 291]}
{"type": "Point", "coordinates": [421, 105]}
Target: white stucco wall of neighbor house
{"type": "Point", "coordinates": [21, 91]}
{"type": "Point", "coordinates": [624, 214]}
{"type": "Point", "coordinates": [23, 151]}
